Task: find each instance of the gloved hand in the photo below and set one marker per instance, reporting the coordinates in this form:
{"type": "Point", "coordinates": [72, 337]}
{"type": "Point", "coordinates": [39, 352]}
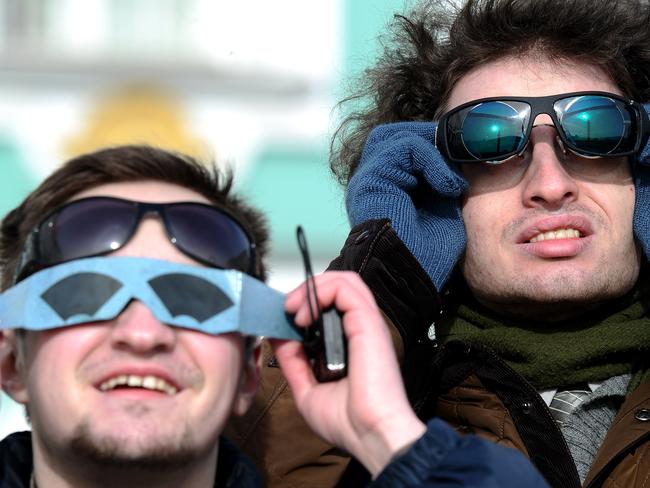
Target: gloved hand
{"type": "Point", "coordinates": [641, 172]}
{"type": "Point", "coordinates": [398, 159]}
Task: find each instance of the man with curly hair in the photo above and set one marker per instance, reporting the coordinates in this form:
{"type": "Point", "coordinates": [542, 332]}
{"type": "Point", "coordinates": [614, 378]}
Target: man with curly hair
{"type": "Point", "coordinates": [497, 182]}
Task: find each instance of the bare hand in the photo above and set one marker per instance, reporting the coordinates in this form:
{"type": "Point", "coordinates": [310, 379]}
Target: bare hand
{"type": "Point", "coordinates": [366, 413]}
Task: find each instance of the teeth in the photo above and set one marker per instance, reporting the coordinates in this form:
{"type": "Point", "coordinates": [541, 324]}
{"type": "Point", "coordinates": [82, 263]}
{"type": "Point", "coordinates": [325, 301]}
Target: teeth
{"type": "Point", "coordinates": [135, 381]}
{"type": "Point", "coordinates": [556, 234]}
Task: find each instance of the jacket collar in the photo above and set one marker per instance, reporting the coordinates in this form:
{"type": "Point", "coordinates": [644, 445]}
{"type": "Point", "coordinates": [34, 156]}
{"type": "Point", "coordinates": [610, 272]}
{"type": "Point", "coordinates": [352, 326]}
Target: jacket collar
{"type": "Point", "coordinates": [629, 428]}
{"type": "Point", "coordinates": [16, 460]}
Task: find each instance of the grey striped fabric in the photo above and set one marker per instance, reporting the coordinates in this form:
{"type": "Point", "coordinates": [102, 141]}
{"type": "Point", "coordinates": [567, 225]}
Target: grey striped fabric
{"type": "Point", "coordinates": [566, 401]}
{"type": "Point", "coordinates": [587, 427]}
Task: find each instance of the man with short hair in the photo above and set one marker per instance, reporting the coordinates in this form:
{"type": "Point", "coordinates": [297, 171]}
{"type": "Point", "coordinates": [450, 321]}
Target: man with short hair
{"type": "Point", "coordinates": [128, 328]}
{"type": "Point", "coordinates": [127, 399]}
{"type": "Point", "coordinates": [497, 182]}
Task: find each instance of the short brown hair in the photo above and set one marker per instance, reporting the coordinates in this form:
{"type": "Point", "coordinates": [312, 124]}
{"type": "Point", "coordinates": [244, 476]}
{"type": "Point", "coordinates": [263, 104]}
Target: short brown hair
{"type": "Point", "coordinates": [120, 164]}
{"type": "Point", "coordinates": [438, 43]}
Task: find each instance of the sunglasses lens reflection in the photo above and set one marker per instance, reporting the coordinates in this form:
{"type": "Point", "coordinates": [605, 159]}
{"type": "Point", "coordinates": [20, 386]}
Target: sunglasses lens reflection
{"type": "Point", "coordinates": [493, 129]}
{"type": "Point", "coordinates": [595, 124]}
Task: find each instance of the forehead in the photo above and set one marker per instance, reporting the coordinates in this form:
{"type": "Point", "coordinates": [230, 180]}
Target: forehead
{"type": "Point", "coordinates": [144, 191]}
{"type": "Point", "coordinates": [529, 76]}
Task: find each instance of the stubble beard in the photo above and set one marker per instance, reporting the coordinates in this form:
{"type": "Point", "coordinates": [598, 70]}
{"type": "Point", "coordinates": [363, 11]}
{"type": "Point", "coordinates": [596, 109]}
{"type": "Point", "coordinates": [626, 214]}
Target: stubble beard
{"type": "Point", "coordinates": [157, 455]}
{"type": "Point", "coordinates": [556, 295]}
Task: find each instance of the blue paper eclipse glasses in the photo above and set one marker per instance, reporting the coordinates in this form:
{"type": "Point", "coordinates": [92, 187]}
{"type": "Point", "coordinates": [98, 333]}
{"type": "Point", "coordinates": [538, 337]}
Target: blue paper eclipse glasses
{"type": "Point", "coordinates": [209, 300]}
{"type": "Point", "coordinates": [100, 225]}
{"type": "Point", "coordinates": [590, 124]}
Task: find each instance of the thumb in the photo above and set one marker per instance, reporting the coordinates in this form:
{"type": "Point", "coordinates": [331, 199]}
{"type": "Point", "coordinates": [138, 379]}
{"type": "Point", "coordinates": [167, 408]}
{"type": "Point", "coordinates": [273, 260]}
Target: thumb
{"type": "Point", "coordinates": [443, 177]}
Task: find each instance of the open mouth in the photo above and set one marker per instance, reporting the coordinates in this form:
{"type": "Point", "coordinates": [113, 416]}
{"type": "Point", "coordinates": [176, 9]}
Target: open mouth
{"type": "Point", "coordinates": [552, 235]}
{"type": "Point", "coordinates": [149, 382]}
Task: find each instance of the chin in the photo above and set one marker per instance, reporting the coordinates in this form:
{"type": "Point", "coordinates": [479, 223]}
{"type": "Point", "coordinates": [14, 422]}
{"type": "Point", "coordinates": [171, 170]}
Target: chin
{"type": "Point", "coordinates": [551, 300]}
{"type": "Point", "coordinates": [134, 448]}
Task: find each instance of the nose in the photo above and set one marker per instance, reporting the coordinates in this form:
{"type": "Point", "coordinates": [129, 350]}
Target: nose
{"type": "Point", "coordinates": [547, 184]}
{"type": "Point", "coordinates": [138, 331]}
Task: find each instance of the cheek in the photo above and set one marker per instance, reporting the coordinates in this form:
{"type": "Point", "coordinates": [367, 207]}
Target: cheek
{"type": "Point", "coordinates": [212, 348]}
{"type": "Point", "coordinates": [486, 218]}
{"type": "Point", "coordinates": [475, 228]}
{"type": "Point", "coordinates": [631, 196]}
{"type": "Point", "coordinates": [625, 221]}
{"type": "Point", "coordinates": [630, 199]}
{"type": "Point", "coordinates": [617, 203]}
{"type": "Point", "coordinates": [482, 219]}
{"type": "Point", "coordinates": [54, 356]}
{"type": "Point", "coordinates": [52, 390]}
{"type": "Point", "coordinates": [614, 193]}
{"type": "Point", "coordinates": [220, 358]}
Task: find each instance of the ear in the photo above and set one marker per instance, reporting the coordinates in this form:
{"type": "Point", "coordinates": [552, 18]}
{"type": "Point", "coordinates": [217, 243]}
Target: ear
{"type": "Point", "coordinates": [250, 379]}
{"type": "Point", "coordinates": [12, 367]}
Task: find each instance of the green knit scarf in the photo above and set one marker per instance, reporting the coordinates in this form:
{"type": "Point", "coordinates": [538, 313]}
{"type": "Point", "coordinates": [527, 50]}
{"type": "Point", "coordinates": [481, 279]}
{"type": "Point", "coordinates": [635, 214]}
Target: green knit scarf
{"type": "Point", "coordinates": [610, 341]}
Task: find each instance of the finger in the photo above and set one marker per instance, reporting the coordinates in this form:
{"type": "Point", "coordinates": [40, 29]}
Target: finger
{"type": "Point", "coordinates": [361, 315]}
{"type": "Point", "coordinates": [355, 280]}
{"type": "Point", "coordinates": [350, 280]}
{"type": "Point", "coordinates": [439, 175]}
{"type": "Point", "coordinates": [343, 292]}
{"type": "Point", "coordinates": [295, 298]}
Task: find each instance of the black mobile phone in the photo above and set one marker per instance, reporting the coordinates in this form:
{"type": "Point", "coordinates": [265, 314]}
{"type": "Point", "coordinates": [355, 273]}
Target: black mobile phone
{"type": "Point", "coordinates": [324, 340]}
{"type": "Point", "coordinates": [326, 346]}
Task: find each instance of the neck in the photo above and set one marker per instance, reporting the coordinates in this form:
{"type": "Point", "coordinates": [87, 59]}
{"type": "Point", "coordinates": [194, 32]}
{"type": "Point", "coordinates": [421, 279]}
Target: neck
{"type": "Point", "coordinates": [66, 470]}
{"type": "Point", "coordinates": [555, 311]}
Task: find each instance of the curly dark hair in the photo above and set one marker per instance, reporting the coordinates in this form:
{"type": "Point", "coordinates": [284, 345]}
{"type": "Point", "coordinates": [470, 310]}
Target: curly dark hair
{"type": "Point", "coordinates": [427, 51]}
{"type": "Point", "coordinates": [120, 164]}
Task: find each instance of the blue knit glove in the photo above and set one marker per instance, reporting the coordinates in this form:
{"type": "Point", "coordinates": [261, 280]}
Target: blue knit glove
{"type": "Point", "coordinates": [397, 159]}
{"type": "Point", "coordinates": [641, 171]}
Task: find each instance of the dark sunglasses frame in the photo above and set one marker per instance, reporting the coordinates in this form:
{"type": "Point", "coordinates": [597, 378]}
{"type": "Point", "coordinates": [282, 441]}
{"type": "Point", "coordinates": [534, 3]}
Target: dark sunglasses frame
{"type": "Point", "coordinates": [545, 105]}
{"type": "Point", "coordinates": [32, 261]}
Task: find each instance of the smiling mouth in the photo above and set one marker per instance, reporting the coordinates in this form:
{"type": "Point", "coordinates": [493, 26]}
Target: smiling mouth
{"type": "Point", "coordinates": [557, 234]}
{"type": "Point", "coordinates": [149, 382]}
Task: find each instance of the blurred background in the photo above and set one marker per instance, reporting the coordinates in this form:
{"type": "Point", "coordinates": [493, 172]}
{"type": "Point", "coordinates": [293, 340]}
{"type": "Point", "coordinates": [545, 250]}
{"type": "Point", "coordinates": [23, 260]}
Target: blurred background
{"type": "Point", "coordinates": [249, 83]}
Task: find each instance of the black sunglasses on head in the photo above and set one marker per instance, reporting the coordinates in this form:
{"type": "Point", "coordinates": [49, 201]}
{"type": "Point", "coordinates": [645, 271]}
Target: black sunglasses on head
{"type": "Point", "coordinates": [590, 124]}
{"type": "Point", "coordinates": [100, 225]}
